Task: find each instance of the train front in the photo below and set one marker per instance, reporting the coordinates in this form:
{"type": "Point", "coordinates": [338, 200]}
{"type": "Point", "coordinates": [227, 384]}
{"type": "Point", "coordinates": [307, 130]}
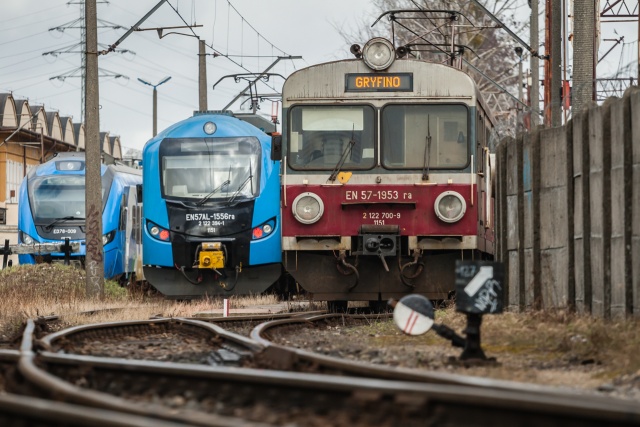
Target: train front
{"type": "Point", "coordinates": [52, 209]}
{"type": "Point", "coordinates": [211, 209]}
{"type": "Point", "coordinates": [378, 176]}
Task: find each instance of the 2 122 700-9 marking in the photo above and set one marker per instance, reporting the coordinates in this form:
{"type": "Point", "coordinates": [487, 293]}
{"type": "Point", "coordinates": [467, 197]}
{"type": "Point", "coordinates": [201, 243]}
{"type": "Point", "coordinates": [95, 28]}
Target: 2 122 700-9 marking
{"type": "Point", "coordinates": [380, 215]}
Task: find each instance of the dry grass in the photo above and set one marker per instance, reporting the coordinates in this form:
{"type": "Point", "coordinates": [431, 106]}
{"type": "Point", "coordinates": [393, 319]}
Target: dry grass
{"type": "Point", "coordinates": [553, 338]}
{"type": "Point", "coordinates": [31, 291]}
{"type": "Point", "coordinates": [559, 337]}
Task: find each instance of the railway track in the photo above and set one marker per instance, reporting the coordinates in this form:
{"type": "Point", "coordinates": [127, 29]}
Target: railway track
{"type": "Point", "coordinates": [170, 340]}
{"type": "Point", "coordinates": [16, 410]}
{"type": "Point", "coordinates": [197, 394]}
{"type": "Point", "coordinates": [243, 325]}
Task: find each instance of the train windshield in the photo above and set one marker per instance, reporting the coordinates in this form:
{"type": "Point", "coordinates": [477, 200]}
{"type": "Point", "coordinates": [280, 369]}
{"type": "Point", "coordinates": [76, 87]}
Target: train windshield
{"type": "Point", "coordinates": [58, 196]}
{"type": "Point", "coordinates": [425, 136]}
{"type": "Point", "coordinates": [217, 169]}
{"type": "Point", "coordinates": [320, 136]}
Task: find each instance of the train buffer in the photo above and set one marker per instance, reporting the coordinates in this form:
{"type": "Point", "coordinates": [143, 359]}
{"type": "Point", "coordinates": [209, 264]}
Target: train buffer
{"type": "Point", "coordinates": [64, 247]}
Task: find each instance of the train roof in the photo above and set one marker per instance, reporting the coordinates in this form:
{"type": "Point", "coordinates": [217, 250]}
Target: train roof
{"type": "Point", "coordinates": [226, 126]}
{"type": "Point", "coordinates": [75, 164]}
{"type": "Point", "coordinates": [327, 82]}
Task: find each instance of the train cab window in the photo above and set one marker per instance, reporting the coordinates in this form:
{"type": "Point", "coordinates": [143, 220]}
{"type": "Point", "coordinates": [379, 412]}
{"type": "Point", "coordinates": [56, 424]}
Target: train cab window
{"type": "Point", "coordinates": [216, 169]}
{"type": "Point", "coordinates": [320, 136]}
{"type": "Point", "coordinates": [418, 136]}
{"type": "Point", "coordinates": [54, 197]}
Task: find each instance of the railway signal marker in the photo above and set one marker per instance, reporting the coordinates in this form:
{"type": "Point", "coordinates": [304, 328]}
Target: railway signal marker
{"type": "Point", "coordinates": [479, 287]}
{"type": "Point", "coordinates": [413, 314]}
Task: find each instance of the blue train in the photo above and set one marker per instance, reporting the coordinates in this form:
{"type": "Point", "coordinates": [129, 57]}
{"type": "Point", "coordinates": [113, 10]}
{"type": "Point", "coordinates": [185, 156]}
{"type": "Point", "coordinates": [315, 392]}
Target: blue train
{"type": "Point", "coordinates": [211, 217]}
{"type": "Point", "coordinates": [52, 208]}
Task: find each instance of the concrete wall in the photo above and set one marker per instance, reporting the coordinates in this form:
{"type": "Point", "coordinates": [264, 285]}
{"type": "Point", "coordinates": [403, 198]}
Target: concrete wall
{"type": "Point", "coordinates": [634, 194]}
{"type": "Point", "coordinates": [569, 207]}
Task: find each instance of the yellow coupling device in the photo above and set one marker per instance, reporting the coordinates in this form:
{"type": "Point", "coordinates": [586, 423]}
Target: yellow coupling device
{"type": "Point", "coordinates": [211, 255]}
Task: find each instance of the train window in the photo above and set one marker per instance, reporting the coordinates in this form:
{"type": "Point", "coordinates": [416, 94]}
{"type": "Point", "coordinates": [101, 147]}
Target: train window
{"type": "Point", "coordinates": [216, 169]}
{"type": "Point", "coordinates": [59, 196]}
{"type": "Point", "coordinates": [418, 136]}
{"type": "Point", "coordinates": [320, 135]}
{"type": "Point", "coordinates": [122, 223]}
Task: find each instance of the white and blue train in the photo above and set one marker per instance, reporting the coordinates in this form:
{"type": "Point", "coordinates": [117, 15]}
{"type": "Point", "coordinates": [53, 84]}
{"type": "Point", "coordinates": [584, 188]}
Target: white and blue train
{"type": "Point", "coordinates": [211, 221]}
{"type": "Point", "coordinates": [52, 209]}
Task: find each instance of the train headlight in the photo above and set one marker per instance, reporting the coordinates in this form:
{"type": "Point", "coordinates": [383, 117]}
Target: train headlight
{"type": "Point", "coordinates": [209, 128]}
{"type": "Point", "coordinates": [450, 206]}
{"type": "Point", "coordinates": [308, 208]}
{"type": "Point", "coordinates": [26, 239]}
{"type": "Point", "coordinates": [158, 232]}
{"type": "Point", "coordinates": [263, 230]}
{"type": "Point", "coordinates": [378, 53]}
{"type": "Point", "coordinates": [107, 238]}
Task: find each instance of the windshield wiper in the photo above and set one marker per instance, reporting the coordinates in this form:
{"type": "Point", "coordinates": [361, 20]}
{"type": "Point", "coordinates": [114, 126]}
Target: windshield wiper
{"type": "Point", "coordinates": [214, 191]}
{"type": "Point", "coordinates": [59, 220]}
{"type": "Point", "coordinates": [241, 186]}
{"type": "Point", "coordinates": [427, 152]}
{"type": "Point", "coordinates": [343, 156]}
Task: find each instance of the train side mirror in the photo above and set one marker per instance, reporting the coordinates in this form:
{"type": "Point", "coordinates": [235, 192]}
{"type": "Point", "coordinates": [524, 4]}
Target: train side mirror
{"type": "Point", "coordinates": [276, 147]}
{"type": "Point", "coordinates": [139, 192]}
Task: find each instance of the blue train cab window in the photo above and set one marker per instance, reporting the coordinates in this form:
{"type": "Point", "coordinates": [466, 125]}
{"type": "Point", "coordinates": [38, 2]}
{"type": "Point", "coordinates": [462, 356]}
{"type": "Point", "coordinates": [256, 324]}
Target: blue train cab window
{"type": "Point", "coordinates": [58, 196]}
{"type": "Point", "coordinates": [417, 136]}
{"type": "Point", "coordinates": [320, 135]}
{"type": "Point", "coordinates": [215, 169]}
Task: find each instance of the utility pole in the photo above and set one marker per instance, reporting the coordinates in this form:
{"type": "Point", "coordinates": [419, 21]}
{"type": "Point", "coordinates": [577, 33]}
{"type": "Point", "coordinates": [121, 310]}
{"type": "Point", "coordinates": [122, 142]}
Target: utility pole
{"type": "Point", "coordinates": [81, 49]}
{"type": "Point", "coordinates": [519, 52]}
{"type": "Point", "coordinates": [584, 22]}
{"type": "Point", "coordinates": [202, 77]}
{"type": "Point", "coordinates": [155, 101]}
{"type": "Point", "coordinates": [555, 61]}
{"type": "Point", "coordinates": [535, 70]}
{"type": "Point", "coordinates": [94, 260]}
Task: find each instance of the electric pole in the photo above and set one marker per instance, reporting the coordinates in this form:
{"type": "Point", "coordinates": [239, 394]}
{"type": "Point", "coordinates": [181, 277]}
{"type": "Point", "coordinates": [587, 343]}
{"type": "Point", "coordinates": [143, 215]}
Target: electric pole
{"type": "Point", "coordinates": [555, 61]}
{"type": "Point", "coordinates": [202, 77]}
{"type": "Point", "coordinates": [94, 260]}
{"type": "Point", "coordinates": [535, 70]}
{"type": "Point", "coordinates": [584, 24]}
{"type": "Point", "coordinates": [81, 49]}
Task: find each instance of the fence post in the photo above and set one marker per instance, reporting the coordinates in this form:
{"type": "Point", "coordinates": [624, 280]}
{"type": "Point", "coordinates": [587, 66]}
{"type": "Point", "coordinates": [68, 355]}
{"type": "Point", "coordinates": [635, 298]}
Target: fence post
{"type": "Point", "coordinates": [5, 254]}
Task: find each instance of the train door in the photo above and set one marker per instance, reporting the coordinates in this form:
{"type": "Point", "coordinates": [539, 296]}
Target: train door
{"type": "Point", "coordinates": [132, 232]}
{"type": "Point", "coordinates": [481, 162]}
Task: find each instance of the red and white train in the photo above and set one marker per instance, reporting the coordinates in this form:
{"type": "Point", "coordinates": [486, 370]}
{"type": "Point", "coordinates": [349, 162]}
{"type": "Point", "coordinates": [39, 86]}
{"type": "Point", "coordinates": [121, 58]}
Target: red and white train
{"type": "Point", "coordinates": [386, 176]}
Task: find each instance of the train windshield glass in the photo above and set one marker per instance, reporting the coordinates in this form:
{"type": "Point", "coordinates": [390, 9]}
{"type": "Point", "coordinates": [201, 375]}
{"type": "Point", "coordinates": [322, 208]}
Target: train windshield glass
{"type": "Point", "coordinates": [425, 136]}
{"type": "Point", "coordinates": [320, 135]}
{"type": "Point", "coordinates": [55, 197]}
{"type": "Point", "coordinates": [217, 169]}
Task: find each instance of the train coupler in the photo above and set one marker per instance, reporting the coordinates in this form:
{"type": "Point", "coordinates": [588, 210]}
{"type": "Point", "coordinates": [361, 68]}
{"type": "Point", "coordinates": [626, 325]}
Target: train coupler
{"type": "Point", "coordinates": [380, 241]}
{"type": "Point", "coordinates": [211, 255]}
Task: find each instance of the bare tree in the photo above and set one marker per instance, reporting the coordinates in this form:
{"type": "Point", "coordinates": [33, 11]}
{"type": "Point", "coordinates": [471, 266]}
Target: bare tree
{"type": "Point", "coordinates": [468, 39]}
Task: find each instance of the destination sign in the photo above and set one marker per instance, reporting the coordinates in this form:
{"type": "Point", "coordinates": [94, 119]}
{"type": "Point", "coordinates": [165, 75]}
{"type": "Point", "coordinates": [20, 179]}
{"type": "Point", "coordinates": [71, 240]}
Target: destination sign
{"type": "Point", "coordinates": [379, 82]}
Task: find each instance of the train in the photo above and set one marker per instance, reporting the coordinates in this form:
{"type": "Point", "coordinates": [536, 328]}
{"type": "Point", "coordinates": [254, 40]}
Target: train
{"type": "Point", "coordinates": [387, 176]}
{"type": "Point", "coordinates": [52, 209]}
{"type": "Point", "coordinates": [211, 218]}
{"type": "Point", "coordinates": [382, 179]}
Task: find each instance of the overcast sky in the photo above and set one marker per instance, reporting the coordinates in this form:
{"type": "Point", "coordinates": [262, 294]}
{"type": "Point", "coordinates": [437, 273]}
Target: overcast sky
{"type": "Point", "coordinates": [255, 28]}
{"type": "Point", "coordinates": [251, 32]}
